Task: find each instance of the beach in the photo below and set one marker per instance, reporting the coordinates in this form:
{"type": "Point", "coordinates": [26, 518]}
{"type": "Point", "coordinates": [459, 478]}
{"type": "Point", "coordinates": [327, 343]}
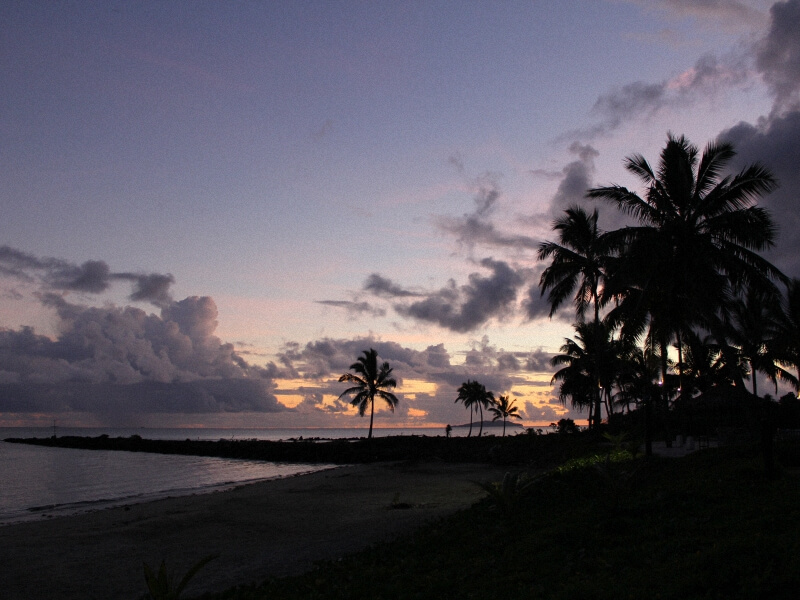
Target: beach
{"type": "Point", "coordinates": [260, 530]}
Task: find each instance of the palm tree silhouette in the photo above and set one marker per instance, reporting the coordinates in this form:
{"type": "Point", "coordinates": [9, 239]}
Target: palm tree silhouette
{"type": "Point", "coordinates": [787, 334]}
{"type": "Point", "coordinates": [474, 397]}
{"type": "Point", "coordinates": [503, 409]}
{"type": "Point", "coordinates": [754, 332]}
{"type": "Point", "coordinates": [698, 237]}
{"type": "Point", "coordinates": [578, 261]}
{"type": "Point", "coordinates": [590, 364]}
{"type": "Point", "coordinates": [696, 243]}
{"type": "Point", "coordinates": [370, 381]}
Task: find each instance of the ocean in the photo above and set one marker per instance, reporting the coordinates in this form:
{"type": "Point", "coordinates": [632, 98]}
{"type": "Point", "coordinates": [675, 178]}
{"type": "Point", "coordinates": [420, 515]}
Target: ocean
{"type": "Point", "coordinates": [41, 483]}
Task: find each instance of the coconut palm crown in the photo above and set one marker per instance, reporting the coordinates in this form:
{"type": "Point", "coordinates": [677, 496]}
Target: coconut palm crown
{"type": "Point", "coordinates": [503, 408]}
{"type": "Point", "coordinates": [370, 381]}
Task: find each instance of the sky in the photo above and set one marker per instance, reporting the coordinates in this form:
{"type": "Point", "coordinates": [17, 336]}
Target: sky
{"type": "Point", "coordinates": [209, 210]}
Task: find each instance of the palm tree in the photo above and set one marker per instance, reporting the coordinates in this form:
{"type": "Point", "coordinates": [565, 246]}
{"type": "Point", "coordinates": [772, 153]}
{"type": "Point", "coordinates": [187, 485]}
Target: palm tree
{"type": "Point", "coordinates": [787, 333]}
{"type": "Point", "coordinates": [698, 235]}
{"type": "Point", "coordinates": [754, 331]}
{"type": "Point", "coordinates": [474, 397]}
{"type": "Point", "coordinates": [503, 409]}
{"type": "Point", "coordinates": [590, 366]}
{"type": "Point", "coordinates": [578, 261]}
{"type": "Point", "coordinates": [370, 381]}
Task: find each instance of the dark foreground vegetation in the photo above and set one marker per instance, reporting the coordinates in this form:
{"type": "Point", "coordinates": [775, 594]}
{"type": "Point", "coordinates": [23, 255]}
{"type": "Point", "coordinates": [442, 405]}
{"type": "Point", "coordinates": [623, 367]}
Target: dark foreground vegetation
{"type": "Point", "coordinates": [709, 525]}
{"type": "Point", "coordinates": [529, 449]}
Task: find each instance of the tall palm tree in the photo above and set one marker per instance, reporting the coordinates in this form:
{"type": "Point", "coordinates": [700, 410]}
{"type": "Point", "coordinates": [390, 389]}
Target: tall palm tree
{"type": "Point", "coordinates": [578, 261]}
{"type": "Point", "coordinates": [370, 381]}
{"type": "Point", "coordinates": [697, 239]}
{"type": "Point", "coordinates": [504, 409]}
{"type": "Point", "coordinates": [474, 397]}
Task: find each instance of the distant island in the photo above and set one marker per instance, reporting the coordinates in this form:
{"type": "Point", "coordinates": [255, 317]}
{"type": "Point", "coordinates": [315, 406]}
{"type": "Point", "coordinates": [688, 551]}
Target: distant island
{"type": "Point", "coordinates": [490, 424]}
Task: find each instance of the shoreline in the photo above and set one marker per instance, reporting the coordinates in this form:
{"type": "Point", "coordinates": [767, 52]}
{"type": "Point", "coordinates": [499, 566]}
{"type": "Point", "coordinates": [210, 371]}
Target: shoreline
{"type": "Point", "coordinates": [264, 529]}
{"type": "Point", "coordinates": [73, 509]}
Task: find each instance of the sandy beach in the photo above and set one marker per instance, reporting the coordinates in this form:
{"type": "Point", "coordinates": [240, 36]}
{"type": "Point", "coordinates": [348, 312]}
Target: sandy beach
{"type": "Point", "coordinates": [260, 530]}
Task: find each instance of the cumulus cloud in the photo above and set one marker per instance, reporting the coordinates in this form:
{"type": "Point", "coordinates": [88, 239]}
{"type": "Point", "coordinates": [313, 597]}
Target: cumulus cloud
{"type": "Point", "coordinates": [114, 361]}
{"type": "Point", "coordinates": [322, 361]}
{"type": "Point", "coordinates": [467, 307]}
{"type": "Point", "coordinates": [123, 360]}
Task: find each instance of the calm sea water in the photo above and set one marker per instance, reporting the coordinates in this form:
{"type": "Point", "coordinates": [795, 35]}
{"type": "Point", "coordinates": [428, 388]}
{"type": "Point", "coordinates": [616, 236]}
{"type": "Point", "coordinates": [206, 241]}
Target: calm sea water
{"type": "Point", "coordinates": [38, 482]}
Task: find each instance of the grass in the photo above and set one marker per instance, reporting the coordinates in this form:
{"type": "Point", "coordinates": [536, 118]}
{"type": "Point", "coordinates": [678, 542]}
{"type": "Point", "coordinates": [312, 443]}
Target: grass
{"type": "Point", "coordinates": [706, 526]}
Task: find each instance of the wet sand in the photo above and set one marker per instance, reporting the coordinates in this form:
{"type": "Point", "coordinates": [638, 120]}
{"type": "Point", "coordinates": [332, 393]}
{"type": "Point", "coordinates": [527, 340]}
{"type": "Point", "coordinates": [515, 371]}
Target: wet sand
{"type": "Point", "coordinates": [265, 529]}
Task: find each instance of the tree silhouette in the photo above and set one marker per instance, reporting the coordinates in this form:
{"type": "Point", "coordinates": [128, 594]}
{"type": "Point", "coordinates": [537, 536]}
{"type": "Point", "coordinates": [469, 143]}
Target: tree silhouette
{"type": "Point", "coordinates": [504, 409]}
{"type": "Point", "coordinates": [474, 397]}
{"type": "Point", "coordinates": [787, 332]}
{"type": "Point", "coordinates": [590, 366]}
{"type": "Point", "coordinates": [698, 238]}
{"type": "Point", "coordinates": [696, 244]}
{"type": "Point", "coordinates": [577, 261]}
{"type": "Point", "coordinates": [370, 381]}
{"type": "Point", "coordinates": [755, 319]}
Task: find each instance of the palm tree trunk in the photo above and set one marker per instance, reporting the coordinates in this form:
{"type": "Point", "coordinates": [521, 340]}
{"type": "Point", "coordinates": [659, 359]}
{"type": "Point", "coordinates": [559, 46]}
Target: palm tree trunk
{"type": "Point", "coordinates": [480, 431]}
{"type": "Point", "coordinates": [471, 408]}
{"type": "Point", "coordinates": [664, 391]}
{"type": "Point", "coordinates": [504, 426]}
{"type": "Point", "coordinates": [371, 416]}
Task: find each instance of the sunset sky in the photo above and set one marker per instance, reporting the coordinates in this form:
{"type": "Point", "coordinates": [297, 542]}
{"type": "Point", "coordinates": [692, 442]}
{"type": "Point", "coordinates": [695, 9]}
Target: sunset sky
{"type": "Point", "coordinates": [210, 209]}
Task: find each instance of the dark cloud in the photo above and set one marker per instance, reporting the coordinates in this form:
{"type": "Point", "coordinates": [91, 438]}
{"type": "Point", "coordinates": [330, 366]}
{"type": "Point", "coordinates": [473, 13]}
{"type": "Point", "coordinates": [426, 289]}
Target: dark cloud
{"type": "Point", "coordinates": [778, 56]}
{"type": "Point", "coordinates": [469, 306]}
{"type": "Point", "coordinates": [535, 305]}
{"type": "Point", "coordinates": [109, 401]}
{"type": "Point", "coordinates": [91, 277]}
{"type": "Point", "coordinates": [775, 143]}
{"type": "Point", "coordinates": [386, 288]}
{"type": "Point", "coordinates": [153, 288]}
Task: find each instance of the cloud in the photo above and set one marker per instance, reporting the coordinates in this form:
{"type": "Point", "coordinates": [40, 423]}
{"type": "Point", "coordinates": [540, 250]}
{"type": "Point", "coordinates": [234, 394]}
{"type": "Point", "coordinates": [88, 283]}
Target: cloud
{"type": "Point", "coordinates": [729, 15]}
{"type": "Point", "coordinates": [709, 75]}
{"type": "Point", "coordinates": [775, 143]}
{"type": "Point", "coordinates": [354, 308]}
{"type": "Point", "coordinates": [778, 54]}
{"type": "Point", "coordinates": [91, 277]}
{"type": "Point", "coordinates": [476, 227]}
{"type": "Point", "coordinates": [469, 306]}
{"type": "Point", "coordinates": [122, 361]}
{"type": "Point", "coordinates": [386, 288]}
{"type": "Point", "coordinates": [576, 179]}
